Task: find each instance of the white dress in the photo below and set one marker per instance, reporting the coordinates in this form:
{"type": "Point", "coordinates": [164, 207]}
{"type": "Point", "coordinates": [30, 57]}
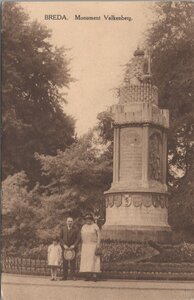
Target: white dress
{"type": "Point", "coordinates": [89, 261]}
{"type": "Point", "coordinates": [54, 255]}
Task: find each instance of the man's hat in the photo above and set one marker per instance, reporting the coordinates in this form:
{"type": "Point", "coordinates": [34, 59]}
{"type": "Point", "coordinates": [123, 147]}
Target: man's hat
{"type": "Point", "coordinates": [69, 254]}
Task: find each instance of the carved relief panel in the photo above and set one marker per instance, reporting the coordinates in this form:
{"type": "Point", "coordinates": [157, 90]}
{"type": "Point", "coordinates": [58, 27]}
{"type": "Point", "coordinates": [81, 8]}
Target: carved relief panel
{"type": "Point", "coordinates": [155, 157]}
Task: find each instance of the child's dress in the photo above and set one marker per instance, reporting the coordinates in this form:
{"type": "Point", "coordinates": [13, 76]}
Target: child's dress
{"type": "Point", "coordinates": [54, 255]}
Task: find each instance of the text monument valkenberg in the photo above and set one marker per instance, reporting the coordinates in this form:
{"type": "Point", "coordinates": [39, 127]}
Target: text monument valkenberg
{"type": "Point", "coordinates": [137, 202]}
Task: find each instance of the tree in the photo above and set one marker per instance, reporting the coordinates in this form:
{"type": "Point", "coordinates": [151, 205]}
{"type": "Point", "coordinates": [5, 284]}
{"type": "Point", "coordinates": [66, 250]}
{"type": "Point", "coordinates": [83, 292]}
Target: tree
{"type": "Point", "coordinates": [171, 40]}
{"type": "Point", "coordinates": [78, 178]}
{"type": "Point", "coordinates": [19, 210]}
{"type": "Point", "coordinates": [33, 74]}
{"type": "Point", "coordinates": [182, 202]}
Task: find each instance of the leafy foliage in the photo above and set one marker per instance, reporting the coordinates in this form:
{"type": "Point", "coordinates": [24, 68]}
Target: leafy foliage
{"type": "Point", "coordinates": [181, 253]}
{"type": "Point", "coordinates": [33, 73]}
{"type": "Point", "coordinates": [171, 39]}
{"type": "Point", "coordinates": [77, 179]}
{"type": "Point", "coordinates": [19, 209]}
{"type": "Point", "coordinates": [182, 202]}
{"type": "Point", "coordinates": [118, 251]}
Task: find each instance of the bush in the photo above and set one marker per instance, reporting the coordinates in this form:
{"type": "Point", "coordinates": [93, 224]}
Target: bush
{"type": "Point", "coordinates": [118, 250]}
{"type": "Point", "coordinates": [112, 251]}
{"type": "Point", "coordinates": [180, 253]}
{"type": "Point", "coordinates": [39, 252]}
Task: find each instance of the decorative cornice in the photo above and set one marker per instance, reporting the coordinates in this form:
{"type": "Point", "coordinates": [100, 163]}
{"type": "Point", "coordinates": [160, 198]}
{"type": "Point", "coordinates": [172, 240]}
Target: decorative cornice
{"type": "Point", "coordinates": [137, 200]}
{"type": "Point", "coordinates": [139, 124]}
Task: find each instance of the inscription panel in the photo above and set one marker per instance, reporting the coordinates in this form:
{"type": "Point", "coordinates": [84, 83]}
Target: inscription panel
{"type": "Point", "coordinates": [130, 154]}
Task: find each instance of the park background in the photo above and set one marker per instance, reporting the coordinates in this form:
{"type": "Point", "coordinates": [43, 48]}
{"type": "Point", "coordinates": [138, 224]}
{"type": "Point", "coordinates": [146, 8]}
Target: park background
{"type": "Point", "coordinates": [52, 165]}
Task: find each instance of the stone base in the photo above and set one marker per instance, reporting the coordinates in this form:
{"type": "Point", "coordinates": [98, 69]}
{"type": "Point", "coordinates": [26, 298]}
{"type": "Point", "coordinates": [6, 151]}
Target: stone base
{"type": "Point", "coordinates": [137, 233]}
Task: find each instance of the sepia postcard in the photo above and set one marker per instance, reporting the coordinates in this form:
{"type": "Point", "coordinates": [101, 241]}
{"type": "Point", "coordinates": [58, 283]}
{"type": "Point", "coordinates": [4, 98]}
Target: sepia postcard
{"type": "Point", "coordinates": [97, 150]}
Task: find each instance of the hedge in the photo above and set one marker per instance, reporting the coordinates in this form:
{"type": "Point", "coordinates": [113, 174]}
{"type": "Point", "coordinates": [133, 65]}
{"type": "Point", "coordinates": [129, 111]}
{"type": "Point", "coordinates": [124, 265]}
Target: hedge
{"type": "Point", "coordinates": [116, 251]}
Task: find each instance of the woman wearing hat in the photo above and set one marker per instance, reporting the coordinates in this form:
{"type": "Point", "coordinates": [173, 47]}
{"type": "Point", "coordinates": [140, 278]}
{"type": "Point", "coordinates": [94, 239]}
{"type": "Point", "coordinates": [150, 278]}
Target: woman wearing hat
{"type": "Point", "coordinates": [90, 235]}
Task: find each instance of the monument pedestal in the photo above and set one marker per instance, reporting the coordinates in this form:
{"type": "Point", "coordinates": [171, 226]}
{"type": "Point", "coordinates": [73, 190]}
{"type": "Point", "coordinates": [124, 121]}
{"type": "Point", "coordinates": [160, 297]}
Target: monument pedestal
{"type": "Point", "coordinates": [137, 202]}
{"type": "Point", "coordinates": [135, 216]}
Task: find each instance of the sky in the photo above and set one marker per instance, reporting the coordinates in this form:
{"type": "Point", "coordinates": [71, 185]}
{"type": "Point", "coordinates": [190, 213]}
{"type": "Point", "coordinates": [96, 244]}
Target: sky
{"type": "Point", "coordinates": [98, 49]}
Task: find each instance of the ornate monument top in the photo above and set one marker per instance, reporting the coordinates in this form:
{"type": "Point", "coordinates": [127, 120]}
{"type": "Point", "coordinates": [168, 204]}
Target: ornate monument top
{"type": "Point", "coordinates": [138, 97]}
{"type": "Point", "coordinates": [137, 85]}
{"type": "Point", "coordinates": [138, 69]}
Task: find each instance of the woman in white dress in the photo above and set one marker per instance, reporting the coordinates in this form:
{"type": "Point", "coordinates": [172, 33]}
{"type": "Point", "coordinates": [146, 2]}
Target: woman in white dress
{"type": "Point", "coordinates": [90, 235]}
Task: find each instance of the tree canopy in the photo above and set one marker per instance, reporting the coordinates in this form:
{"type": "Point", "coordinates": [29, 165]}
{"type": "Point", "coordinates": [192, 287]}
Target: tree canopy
{"type": "Point", "coordinates": [19, 212]}
{"type": "Point", "coordinates": [171, 40]}
{"type": "Point", "coordinates": [78, 178]}
{"type": "Point", "coordinates": [33, 75]}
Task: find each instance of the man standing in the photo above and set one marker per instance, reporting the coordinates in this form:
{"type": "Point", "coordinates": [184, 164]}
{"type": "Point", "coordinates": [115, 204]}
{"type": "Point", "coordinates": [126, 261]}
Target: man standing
{"type": "Point", "coordinates": [69, 238]}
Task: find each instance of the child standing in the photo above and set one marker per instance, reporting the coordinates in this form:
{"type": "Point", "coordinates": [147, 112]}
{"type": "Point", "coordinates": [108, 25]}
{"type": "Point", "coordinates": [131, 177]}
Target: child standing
{"type": "Point", "coordinates": [54, 257]}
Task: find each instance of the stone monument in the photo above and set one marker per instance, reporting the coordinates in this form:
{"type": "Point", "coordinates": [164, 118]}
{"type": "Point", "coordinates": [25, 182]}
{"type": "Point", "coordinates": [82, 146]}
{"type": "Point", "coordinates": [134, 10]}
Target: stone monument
{"type": "Point", "coordinates": [137, 202]}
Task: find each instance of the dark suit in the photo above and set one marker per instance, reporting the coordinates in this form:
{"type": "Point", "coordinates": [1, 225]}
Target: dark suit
{"type": "Point", "coordinates": [69, 237]}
